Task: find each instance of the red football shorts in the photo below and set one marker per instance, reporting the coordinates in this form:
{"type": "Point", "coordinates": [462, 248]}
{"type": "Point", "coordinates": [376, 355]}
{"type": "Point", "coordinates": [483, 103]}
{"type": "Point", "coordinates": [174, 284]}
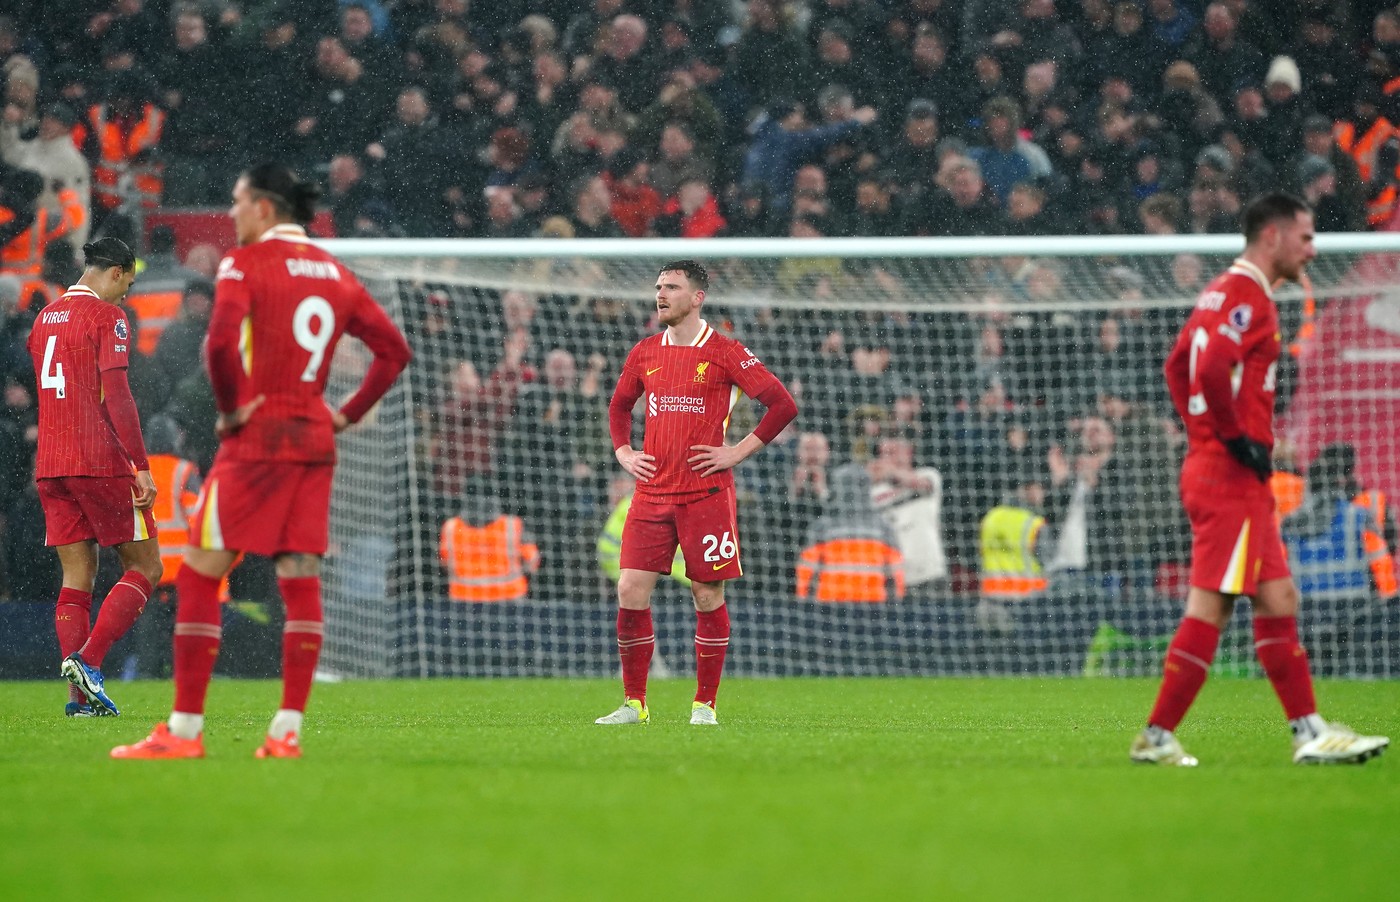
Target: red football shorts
{"type": "Point", "coordinates": [79, 508]}
{"type": "Point", "coordinates": [264, 507]}
{"type": "Point", "coordinates": [1235, 542]}
{"type": "Point", "coordinates": [707, 531]}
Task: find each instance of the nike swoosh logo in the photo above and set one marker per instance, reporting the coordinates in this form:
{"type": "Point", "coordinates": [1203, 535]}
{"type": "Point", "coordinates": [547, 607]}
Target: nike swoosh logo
{"type": "Point", "coordinates": [710, 656]}
{"type": "Point", "coordinates": [649, 372]}
{"type": "Point", "coordinates": [725, 564]}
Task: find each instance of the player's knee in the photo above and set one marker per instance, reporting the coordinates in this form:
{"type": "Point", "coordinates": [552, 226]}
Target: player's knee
{"type": "Point", "coordinates": [708, 596]}
{"type": "Point", "coordinates": [297, 566]}
{"type": "Point", "coordinates": [634, 589]}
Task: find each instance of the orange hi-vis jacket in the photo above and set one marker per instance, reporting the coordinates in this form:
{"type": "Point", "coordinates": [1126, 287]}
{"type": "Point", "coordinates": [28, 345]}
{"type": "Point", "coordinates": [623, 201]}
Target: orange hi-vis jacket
{"type": "Point", "coordinates": [157, 306]}
{"type": "Point", "coordinates": [118, 150]}
{"type": "Point", "coordinates": [175, 480]}
{"type": "Point", "coordinates": [487, 563]}
{"type": "Point", "coordinates": [850, 570]}
{"type": "Point", "coordinates": [1378, 554]}
{"type": "Point", "coordinates": [1362, 148]}
{"type": "Point", "coordinates": [24, 255]}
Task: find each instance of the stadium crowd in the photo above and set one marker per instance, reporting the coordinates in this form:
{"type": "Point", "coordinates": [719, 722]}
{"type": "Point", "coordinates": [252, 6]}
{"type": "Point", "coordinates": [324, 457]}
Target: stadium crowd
{"type": "Point", "coordinates": [701, 118]}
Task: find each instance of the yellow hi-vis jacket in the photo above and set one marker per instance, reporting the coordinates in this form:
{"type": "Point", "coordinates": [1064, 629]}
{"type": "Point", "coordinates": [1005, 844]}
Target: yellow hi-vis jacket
{"type": "Point", "coordinates": [610, 546]}
{"type": "Point", "coordinates": [1010, 568]}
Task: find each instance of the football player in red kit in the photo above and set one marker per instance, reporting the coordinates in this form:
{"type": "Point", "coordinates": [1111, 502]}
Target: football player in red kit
{"type": "Point", "coordinates": [691, 376]}
{"type": "Point", "coordinates": [1221, 375]}
{"type": "Point", "coordinates": [94, 482]}
{"type": "Point", "coordinates": [281, 306]}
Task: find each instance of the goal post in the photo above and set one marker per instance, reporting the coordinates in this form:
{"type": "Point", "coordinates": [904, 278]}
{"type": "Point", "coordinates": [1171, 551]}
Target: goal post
{"type": "Point", "coordinates": [943, 377]}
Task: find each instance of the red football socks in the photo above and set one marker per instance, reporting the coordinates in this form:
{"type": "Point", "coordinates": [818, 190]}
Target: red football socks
{"type": "Point", "coordinates": [118, 613]}
{"type": "Point", "coordinates": [302, 635]}
{"type": "Point", "coordinates": [72, 622]}
{"type": "Point", "coordinates": [636, 640]}
{"type": "Point", "coordinates": [1286, 663]}
{"type": "Point", "coordinates": [711, 641]}
{"type": "Point", "coordinates": [1184, 671]}
{"type": "Point", "coordinates": [72, 619]}
{"type": "Point", "coordinates": [197, 635]}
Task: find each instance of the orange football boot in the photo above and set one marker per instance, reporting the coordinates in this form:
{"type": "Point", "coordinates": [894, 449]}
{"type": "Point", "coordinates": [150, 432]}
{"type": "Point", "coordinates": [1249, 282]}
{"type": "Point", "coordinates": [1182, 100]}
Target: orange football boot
{"type": "Point", "coordinates": [286, 747]}
{"type": "Point", "coordinates": [162, 744]}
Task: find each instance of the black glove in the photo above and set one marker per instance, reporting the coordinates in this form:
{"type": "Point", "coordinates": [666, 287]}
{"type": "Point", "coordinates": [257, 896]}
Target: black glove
{"type": "Point", "coordinates": [1252, 454]}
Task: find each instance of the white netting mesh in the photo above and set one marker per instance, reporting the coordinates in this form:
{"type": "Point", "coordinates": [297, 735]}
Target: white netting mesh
{"type": "Point", "coordinates": [998, 364]}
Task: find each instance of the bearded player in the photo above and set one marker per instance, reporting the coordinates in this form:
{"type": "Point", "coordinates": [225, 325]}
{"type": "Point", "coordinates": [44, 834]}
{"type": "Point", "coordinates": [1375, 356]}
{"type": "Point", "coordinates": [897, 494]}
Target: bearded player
{"type": "Point", "coordinates": [94, 482]}
{"type": "Point", "coordinates": [692, 377]}
{"type": "Point", "coordinates": [1221, 375]}
{"type": "Point", "coordinates": [281, 306]}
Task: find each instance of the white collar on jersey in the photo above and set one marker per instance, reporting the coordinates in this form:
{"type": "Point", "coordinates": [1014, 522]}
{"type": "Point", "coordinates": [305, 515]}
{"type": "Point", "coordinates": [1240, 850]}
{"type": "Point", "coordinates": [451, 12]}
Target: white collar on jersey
{"type": "Point", "coordinates": [1245, 268]}
{"type": "Point", "coordinates": [287, 232]}
{"type": "Point", "coordinates": [81, 289]}
{"type": "Point", "coordinates": [700, 339]}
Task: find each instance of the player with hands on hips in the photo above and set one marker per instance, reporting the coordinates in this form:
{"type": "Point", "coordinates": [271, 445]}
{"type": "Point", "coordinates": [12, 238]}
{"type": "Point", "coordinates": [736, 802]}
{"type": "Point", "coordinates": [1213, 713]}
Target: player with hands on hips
{"type": "Point", "coordinates": [691, 377]}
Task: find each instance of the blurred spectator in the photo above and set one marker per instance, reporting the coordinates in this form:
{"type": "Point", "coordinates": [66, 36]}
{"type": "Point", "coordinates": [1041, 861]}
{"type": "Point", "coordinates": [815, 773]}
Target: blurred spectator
{"type": "Point", "coordinates": [836, 64]}
{"type": "Point", "coordinates": [1318, 142]}
{"type": "Point", "coordinates": [749, 215]}
{"type": "Point", "coordinates": [467, 431]}
{"type": "Point", "coordinates": [122, 140]}
{"type": "Point", "coordinates": [782, 140]}
{"type": "Point", "coordinates": [635, 203]}
{"type": "Point", "coordinates": [1222, 57]}
{"type": "Point", "coordinates": [549, 97]}
{"type": "Point", "coordinates": [875, 214]}
{"type": "Point", "coordinates": [203, 259]}
{"type": "Point", "coordinates": [1317, 181]}
{"type": "Point", "coordinates": [1170, 23]}
{"type": "Point", "coordinates": [1283, 87]}
{"type": "Point", "coordinates": [677, 161]}
{"type": "Point", "coordinates": [680, 102]}
{"type": "Point", "coordinates": [192, 75]}
{"type": "Point", "coordinates": [925, 74]}
{"type": "Point", "coordinates": [769, 59]}
{"type": "Point", "coordinates": [851, 553]}
{"type": "Point", "coordinates": [357, 209]}
{"type": "Point", "coordinates": [913, 159]}
{"type": "Point", "coordinates": [625, 61]}
{"type": "Point", "coordinates": [1026, 213]}
{"type": "Point", "coordinates": [911, 500]}
{"type": "Point", "coordinates": [808, 485]}
{"type": "Point", "coordinates": [359, 36]}
{"type": "Point", "coordinates": [181, 346]}
{"type": "Point", "coordinates": [964, 208]}
{"type": "Point", "coordinates": [503, 218]}
{"type": "Point", "coordinates": [66, 190]}
{"type": "Point", "coordinates": [346, 105]}
{"type": "Point", "coordinates": [692, 213]}
{"type": "Point", "coordinates": [1326, 65]}
{"type": "Point", "coordinates": [412, 162]}
{"type": "Point", "coordinates": [592, 206]}
{"type": "Point", "coordinates": [1089, 501]}
{"type": "Point", "coordinates": [543, 438]}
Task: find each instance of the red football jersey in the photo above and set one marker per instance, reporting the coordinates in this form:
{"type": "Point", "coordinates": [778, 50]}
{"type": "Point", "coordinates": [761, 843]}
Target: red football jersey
{"type": "Point", "coordinates": [281, 305]}
{"type": "Point", "coordinates": [1222, 370]}
{"type": "Point", "coordinates": [690, 391]}
{"type": "Point", "coordinates": [74, 340]}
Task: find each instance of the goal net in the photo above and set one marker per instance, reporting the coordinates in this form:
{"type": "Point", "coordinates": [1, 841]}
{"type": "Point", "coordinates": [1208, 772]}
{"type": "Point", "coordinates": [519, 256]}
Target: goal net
{"type": "Point", "coordinates": [937, 380]}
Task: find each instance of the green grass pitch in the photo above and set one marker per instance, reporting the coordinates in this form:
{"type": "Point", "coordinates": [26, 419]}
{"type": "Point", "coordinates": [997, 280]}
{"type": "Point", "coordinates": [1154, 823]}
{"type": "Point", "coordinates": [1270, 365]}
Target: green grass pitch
{"type": "Point", "coordinates": [809, 789]}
